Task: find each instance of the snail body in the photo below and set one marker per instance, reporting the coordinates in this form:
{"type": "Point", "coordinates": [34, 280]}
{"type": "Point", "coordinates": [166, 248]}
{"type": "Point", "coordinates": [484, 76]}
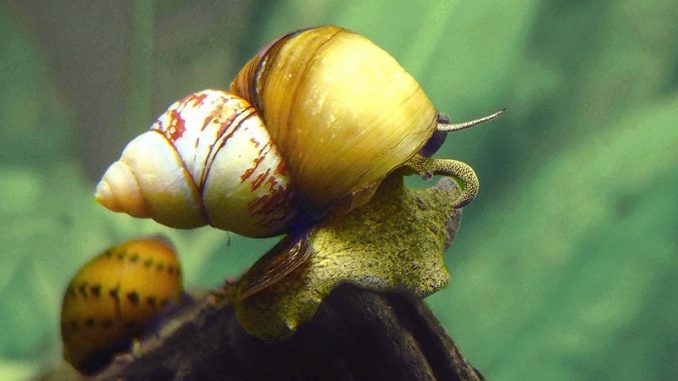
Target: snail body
{"type": "Point", "coordinates": [312, 124]}
{"type": "Point", "coordinates": [113, 296]}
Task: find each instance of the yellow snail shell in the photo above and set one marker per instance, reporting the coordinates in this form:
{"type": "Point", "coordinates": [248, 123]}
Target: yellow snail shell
{"type": "Point", "coordinates": [342, 111]}
{"type": "Point", "coordinates": [207, 160]}
{"type": "Point", "coordinates": [114, 296]}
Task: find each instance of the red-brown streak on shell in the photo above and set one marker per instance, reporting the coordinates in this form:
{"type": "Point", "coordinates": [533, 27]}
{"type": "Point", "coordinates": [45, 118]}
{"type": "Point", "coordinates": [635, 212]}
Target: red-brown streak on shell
{"type": "Point", "coordinates": [276, 190]}
{"type": "Point", "coordinates": [229, 121]}
{"type": "Point", "coordinates": [271, 182]}
{"type": "Point", "coordinates": [196, 99]}
{"type": "Point", "coordinates": [207, 121]}
{"type": "Point", "coordinates": [214, 116]}
{"type": "Point", "coordinates": [177, 126]}
{"type": "Point", "coordinates": [260, 180]}
{"type": "Point", "coordinates": [209, 158]}
{"type": "Point", "coordinates": [260, 157]}
{"type": "Point", "coordinates": [271, 203]}
{"type": "Point", "coordinates": [281, 169]}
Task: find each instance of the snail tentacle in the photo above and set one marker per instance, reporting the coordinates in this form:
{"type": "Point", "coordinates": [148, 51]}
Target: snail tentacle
{"type": "Point", "coordinates": [459, 171]}
{"type": "Point", "coordinates": [444, 124]}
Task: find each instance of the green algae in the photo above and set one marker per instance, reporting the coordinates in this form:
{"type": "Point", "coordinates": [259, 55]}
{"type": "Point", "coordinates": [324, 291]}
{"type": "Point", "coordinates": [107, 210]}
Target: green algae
{"type": "Point", "coordinates": [396, 241]}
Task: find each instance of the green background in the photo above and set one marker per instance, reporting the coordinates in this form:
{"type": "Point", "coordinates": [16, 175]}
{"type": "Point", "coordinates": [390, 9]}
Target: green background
{"type": "Point", "coordinates": [565, 267]}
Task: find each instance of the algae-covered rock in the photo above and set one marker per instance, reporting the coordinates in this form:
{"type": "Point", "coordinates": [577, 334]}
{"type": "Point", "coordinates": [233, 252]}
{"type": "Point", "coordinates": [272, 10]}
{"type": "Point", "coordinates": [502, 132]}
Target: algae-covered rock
{"type": "Point", "coordinates": [397, 240]}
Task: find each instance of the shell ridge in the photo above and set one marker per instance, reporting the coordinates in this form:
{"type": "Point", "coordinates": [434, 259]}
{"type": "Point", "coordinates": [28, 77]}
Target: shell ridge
{"type": "Point", "coordinates": [301, 85]}
{"type": "Point", "coordinates": [221, 140]}
{"type": "Point", "coordinates": [266, 148]}
{"type": "Point", "coordinates": [212, 154]}
{"type": "Point", "coordinates": [138, 186]}
{"type": "Point", "coordinates": [187, 175]}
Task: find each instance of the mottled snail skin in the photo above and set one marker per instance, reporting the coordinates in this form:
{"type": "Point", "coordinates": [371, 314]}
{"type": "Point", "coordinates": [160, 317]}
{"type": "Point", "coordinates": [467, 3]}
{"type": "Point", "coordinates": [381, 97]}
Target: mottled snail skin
{"type": "Point", "coordinates": [342, 111]}
{"type": "Point", "coordinates": [208, 160]}
{"type": "Point", "coordinates": [112, 296]}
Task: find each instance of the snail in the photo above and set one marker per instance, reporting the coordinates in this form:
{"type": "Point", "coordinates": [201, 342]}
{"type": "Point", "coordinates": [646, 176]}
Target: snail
{"type": "Point", "coordinates": [114, 296]}
{"type": "Point", "coordinates": [310, 126]}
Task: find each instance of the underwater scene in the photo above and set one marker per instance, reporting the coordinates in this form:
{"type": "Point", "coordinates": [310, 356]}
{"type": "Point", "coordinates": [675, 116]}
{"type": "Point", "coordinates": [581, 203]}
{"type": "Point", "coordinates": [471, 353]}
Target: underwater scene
{"type": "Point", "coordinates": [565, 265]}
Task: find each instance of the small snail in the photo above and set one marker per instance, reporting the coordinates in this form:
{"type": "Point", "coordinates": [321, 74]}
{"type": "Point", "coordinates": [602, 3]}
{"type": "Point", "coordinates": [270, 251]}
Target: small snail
{"type": "Point", "coordinates": [113, 296]}
{"type": "Point", "coordinates": [312, 125]}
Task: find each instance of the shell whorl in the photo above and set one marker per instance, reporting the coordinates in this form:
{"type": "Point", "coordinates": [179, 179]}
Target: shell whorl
{"type": "Point", "coordinates": [208, 160]}
{"type": "Point", "coordinates": [343, 112]}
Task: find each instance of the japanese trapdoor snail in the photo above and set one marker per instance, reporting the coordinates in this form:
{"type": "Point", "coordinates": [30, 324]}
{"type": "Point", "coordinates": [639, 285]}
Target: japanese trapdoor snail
{"type": "Point", "coordinates": [309, 127]}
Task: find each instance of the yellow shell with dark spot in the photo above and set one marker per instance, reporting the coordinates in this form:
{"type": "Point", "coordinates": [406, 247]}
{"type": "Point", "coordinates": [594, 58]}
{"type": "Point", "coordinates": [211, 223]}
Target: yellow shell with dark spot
{"type": "Point", "coordinates": [113, 296]}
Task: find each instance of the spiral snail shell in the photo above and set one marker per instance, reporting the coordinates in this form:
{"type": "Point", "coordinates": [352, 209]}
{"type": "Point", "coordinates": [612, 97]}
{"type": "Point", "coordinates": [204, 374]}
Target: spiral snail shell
{"type": "Point", "coordinates": [207, 160]}
{"type": "Point", "coordinates": [112, 298]}
{"type": "Point", "coordinates": [314, 122]}
{"type": "Point", "coordinates": [301, 86]}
